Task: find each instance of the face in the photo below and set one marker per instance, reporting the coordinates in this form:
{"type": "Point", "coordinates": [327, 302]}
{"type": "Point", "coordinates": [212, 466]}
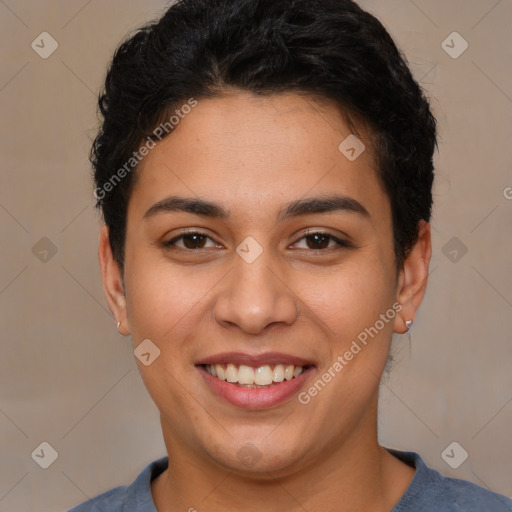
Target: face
{"type": "Point", "coordinates": [258, 253]}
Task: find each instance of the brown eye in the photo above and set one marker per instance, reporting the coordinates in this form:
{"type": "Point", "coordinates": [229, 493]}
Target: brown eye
{"type": "Point", "coordinates": [194, 241]}
{"type": "Point", "coordinates": [317, 241]}
{"type": "Point", "coordinates": [191, 241]}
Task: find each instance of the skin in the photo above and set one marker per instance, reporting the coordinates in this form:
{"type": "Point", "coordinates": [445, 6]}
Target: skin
{"type": "Point", "coordinates": [252, 155]}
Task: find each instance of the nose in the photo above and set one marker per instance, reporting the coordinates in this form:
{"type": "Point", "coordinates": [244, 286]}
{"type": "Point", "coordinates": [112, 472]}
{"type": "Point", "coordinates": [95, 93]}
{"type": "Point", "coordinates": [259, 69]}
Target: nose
{"type": "Point", "coordinates": [254, 297]}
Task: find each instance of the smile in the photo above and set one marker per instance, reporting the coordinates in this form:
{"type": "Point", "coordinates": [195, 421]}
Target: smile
{"type": "Point", "coordinates": [255, 381]}
{"type": "Point", "coordinates": [249, 377]}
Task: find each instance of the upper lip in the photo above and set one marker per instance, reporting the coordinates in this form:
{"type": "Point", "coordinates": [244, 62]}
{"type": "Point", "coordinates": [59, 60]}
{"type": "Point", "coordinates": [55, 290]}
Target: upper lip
{"type": "Point", "coordinates": [255, 360]}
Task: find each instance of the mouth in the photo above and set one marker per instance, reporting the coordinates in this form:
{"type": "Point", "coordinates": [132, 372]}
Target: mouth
{"type": "Point", "coordinates": [263, 376]}
{"type": "Point", "coordinates": [255, 382]}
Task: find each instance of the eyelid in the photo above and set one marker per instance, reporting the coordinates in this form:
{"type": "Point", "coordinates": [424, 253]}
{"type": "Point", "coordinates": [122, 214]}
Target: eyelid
{"type": "Point", "coordinates": [341, 242]}
{"type": "Point", "coordinates": [190, 231]}
{"type": "Point", "coordinates": [323, 231]}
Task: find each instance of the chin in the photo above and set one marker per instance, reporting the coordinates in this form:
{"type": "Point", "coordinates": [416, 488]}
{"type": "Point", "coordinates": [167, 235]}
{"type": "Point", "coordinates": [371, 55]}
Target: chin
{"type": "Point", "coordinates": [259, 457]}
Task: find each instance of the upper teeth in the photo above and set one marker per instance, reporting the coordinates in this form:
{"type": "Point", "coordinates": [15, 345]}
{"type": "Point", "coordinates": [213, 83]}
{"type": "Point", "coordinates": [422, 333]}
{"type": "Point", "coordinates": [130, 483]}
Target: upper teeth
{"type": "Point", "coordinates": [248, 376]}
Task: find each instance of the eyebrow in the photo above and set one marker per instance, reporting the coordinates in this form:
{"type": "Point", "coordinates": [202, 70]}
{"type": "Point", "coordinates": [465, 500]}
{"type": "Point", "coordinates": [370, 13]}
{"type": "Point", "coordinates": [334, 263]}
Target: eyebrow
{"type": "Point", "coordinates": [311, 205]}
{"type": "Point", "coordinates": [323, 204]}
{"type": "Point", "coordinates": [190, 205]}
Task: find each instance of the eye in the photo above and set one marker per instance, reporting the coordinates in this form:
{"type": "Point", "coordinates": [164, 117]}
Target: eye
{"type": "Point", "coordinates": [320, 241]}
{"type": "Point", "coordinates": [191, 240]}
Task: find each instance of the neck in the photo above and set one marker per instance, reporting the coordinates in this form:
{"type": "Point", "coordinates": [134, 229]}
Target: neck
{"type": "Point", "coordinates": [356, 474]}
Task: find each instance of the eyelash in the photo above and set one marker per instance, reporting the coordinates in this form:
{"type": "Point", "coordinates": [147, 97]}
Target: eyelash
{"type": "Point", "coordinates": [170, 244]}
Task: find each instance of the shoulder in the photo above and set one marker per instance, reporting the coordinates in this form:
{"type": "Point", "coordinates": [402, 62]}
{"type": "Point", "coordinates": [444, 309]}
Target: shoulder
{"type": "Point", "coordinates": [430, 490]}
{"type": "Point", "coordinates": [112, 501]}
{"type": "Point", "coordinates": [127, 498]}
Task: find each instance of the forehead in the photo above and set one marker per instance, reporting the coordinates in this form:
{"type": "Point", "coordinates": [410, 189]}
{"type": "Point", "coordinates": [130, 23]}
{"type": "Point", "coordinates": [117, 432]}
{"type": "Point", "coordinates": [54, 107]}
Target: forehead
{"type": "Point", "coordinates": [247, 151]}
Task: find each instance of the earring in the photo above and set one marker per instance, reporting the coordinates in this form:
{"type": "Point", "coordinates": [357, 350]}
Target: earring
{"type": "Point", "coordinates": [408, 324]}
{"type": "Point", "coordinates": [118, 324]}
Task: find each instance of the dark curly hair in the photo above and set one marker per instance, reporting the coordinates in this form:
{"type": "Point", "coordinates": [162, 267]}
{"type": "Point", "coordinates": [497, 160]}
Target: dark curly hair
{"type": "Point", "coordinates": [330, 49]}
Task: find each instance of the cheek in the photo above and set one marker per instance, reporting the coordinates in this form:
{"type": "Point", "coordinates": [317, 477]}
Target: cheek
{"type": "Point", "coordinates": [164, 306]}
{"type": "Point", "coordinates": [348, 299]}
{"type": "Point", "coordinates": [349, 303]}
{"type": "Point", "coordinates": [166, 302]}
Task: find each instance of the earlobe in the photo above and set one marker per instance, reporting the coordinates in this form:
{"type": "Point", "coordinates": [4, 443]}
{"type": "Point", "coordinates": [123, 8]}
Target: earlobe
{"type": "Point", "coordinates": [112, 280]}
{"type": "Point", "coordinates": [413, 277]}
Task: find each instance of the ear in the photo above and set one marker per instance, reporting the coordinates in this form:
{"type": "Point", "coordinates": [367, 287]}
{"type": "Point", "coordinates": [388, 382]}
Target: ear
{"type": "Point", "coordinates": [112, 279]}
{"type": "Point", "coordinates": [412, 279]}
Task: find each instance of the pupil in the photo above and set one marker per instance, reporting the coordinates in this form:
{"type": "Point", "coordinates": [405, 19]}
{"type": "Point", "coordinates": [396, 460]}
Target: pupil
{"type": "Point", "coordinates": [318, 241]}
{"type": "Point", "coordinates": [193, 241]}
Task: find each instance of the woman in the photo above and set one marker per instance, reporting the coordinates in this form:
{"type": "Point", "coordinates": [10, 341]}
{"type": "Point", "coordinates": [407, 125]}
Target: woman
{"type": "Point", "coordinates": [264, 170]}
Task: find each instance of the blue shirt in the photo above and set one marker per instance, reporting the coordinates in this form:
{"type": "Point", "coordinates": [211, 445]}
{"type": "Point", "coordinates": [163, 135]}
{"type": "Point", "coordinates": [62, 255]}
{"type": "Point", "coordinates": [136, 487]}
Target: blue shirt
{"type": "Point", "coordinates": [429, 491]}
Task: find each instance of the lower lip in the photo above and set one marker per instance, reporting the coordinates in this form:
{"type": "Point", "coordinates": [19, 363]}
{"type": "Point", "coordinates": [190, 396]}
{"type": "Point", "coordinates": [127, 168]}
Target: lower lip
{"type": "Point", "coordinates": [255, 398]}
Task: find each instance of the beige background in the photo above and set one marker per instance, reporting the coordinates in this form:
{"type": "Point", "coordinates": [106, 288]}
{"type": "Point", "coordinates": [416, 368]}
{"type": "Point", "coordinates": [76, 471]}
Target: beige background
{"type": "Point", "coordinates": [68, 378]}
